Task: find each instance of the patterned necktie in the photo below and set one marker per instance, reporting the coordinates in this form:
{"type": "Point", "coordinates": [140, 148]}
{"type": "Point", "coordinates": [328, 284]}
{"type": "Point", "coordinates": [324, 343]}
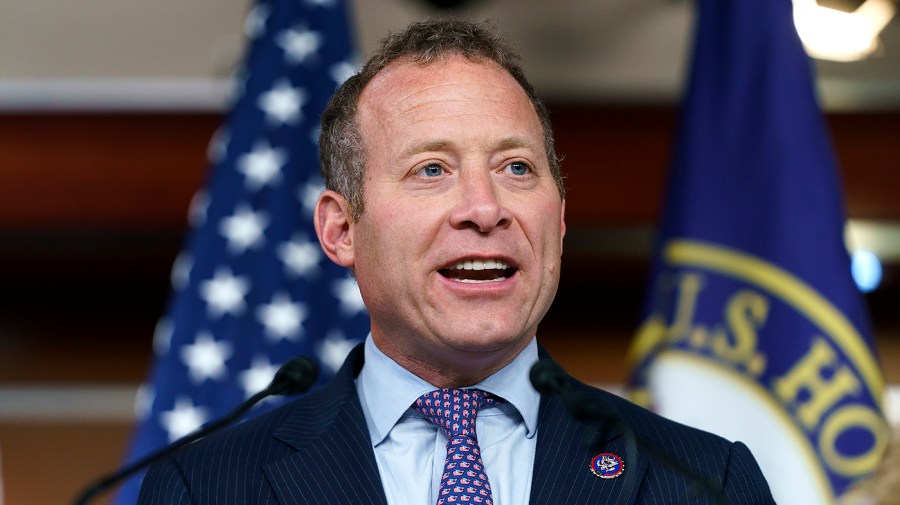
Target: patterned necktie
{"type": "Point", "coordinates": [454, 411]}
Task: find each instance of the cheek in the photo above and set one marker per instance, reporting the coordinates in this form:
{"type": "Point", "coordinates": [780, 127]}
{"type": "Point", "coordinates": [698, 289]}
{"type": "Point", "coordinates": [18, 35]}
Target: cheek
{"type": "Point", "coordinates": [553, 227]}
{"type": "Point", "coordinates": [410, 221]}
{"type": "Point", "coordinates": [387, 235]}
{"type": "Point", "coordinates": [552, 253]}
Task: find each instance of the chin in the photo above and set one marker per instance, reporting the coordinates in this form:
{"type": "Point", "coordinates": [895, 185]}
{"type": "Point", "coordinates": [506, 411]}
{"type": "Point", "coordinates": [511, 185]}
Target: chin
{"type": "Point", "coordinates": [481, 343]}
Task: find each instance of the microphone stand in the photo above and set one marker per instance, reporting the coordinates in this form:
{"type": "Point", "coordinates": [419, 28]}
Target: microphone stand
{"type": "Point", "coordinates": [294, 377]}
{"type": "Point", "coordinates": [548, 377]}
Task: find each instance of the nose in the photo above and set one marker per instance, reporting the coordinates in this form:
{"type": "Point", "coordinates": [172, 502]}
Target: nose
{"type": "Point", "coordinates": [479, 205]}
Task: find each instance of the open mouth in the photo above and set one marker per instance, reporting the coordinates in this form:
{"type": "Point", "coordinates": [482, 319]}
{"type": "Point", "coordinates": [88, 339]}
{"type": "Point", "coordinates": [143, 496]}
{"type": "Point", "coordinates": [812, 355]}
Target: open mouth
{"type": "Point", "coordinates": [478, 271]}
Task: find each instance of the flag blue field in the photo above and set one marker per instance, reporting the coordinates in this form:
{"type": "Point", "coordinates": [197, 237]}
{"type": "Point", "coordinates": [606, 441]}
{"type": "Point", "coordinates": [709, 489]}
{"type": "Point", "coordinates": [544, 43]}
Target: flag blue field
{"type": "Point", "coordinates": [251, 287]}
{"type": "Point", "coordinates": [753, 327]}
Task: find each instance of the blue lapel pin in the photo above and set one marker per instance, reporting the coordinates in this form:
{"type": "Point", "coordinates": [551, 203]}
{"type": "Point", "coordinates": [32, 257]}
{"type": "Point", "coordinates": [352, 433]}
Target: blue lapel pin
{"type": "Point", "coordinates": [607, 465]}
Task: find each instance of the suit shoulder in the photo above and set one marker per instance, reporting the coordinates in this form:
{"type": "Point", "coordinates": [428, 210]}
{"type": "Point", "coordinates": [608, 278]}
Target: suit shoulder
{"type": "Point", "coordinates": [257, 438]}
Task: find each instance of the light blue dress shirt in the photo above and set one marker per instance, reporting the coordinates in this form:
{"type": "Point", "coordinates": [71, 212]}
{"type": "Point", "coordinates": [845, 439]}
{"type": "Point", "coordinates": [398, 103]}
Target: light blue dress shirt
{"type": "Point", "coordinates": [410, 451]}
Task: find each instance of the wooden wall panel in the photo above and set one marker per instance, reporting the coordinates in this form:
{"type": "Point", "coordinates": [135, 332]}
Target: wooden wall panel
{"type": "Point", "coordinates": [101, 170]}
{"type": "Point", "coordinates": [868, 153]}
{"type": "Point", "coordinates": [52, 462]}
{"type": "Point", "coordinates": [140, 170]}
{"type": "Point", "coordinates": [615, 161]}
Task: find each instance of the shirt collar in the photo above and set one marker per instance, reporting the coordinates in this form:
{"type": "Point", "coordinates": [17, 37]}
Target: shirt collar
{"type": "Point", "coordinates": [393, 389]}
{"type": "Point", "coordinates": [511, 383]}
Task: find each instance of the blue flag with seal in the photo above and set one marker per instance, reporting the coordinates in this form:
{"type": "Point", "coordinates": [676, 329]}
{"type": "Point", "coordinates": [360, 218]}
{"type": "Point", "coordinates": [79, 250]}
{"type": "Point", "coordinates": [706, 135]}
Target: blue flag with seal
{"type": "Point", "coordinates": [752, 326]}
{"type": "Point", "coordinates": [251, 289]}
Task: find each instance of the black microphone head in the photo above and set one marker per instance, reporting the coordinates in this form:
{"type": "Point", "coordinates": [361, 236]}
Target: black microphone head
{"type": "Point", "coordinates": [548, 378]}
{"type": "Point", "coordinates": [296, 376]}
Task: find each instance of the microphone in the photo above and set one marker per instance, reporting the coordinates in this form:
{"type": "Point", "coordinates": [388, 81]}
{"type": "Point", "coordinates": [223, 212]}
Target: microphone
{"type": "Point", "coordinates": [296, 376]}
{"type": "Point", "coordinates": [548, 378]}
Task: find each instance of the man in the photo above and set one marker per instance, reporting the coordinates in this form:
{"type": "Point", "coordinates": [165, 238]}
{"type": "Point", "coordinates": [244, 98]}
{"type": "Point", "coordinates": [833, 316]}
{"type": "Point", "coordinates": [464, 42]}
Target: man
{"type": "Point", "coordinates": [444, 197]}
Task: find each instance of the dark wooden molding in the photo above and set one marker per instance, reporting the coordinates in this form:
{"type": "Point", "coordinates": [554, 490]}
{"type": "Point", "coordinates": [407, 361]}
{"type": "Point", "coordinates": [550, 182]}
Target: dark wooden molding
{"type": "Point", "coordinates": [110, 170]}
{"type": "Point", "coordinates": [140, 170]}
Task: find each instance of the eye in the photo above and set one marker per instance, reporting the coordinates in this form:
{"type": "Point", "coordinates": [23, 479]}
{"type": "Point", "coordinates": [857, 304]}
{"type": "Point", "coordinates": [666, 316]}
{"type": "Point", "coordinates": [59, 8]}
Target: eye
{"type": "Point", "coordinates": [518, 168]}
{"type": "Point", "coordinates": [431, 170]}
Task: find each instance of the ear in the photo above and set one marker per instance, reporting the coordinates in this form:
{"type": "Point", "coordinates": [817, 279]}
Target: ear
{"type": "Point", "coordinates": [562, 225]}
{"type": "Point", "coordinates": [333, 226]}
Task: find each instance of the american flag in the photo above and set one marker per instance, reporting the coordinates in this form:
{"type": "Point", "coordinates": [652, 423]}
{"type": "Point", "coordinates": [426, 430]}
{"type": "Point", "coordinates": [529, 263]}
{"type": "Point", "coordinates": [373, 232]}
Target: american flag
{"type": "Point", "coordinates": [251, 287]}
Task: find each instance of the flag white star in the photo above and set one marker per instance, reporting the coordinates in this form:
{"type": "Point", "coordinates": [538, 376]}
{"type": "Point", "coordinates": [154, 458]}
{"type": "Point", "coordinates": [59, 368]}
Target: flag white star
{"type": "Point", "coordinates": [299, 43]}
{"type": "Point", "coordinates": [183, 419]}
{"type": "Point", "coordinates": [181, 270]}
{"type": "Point", "coordinates": [237, 87]}
{"type": "Point", "coordinates": [282, 103]}
{"type": "Point", "coordinates": [342, 71]}
{"type": "Point", "coordinates": [300, 256]}
{"type": "Point", "coordinates": [198, 208]}
{"type": "Point", "coordinates": [205, 358]}
{"type": "Point", "coordinates": [282, 318]}
{"type": "Point", "coordinates": [309, 194]}
{"type": "Point", "coordinates": [258, 376]}
{"type": "Point", "coordinates": [244, 229]}
{"type": "Point", "coordinates": [143, 400]}
{"type": "Point", "coordinates": [333, 349]}
{"type": "Point", "coordinates": [162, 336]}
{"type": "Point", "coordinates": [225, 293]}
{"type": "Point", "coordinates": [320, 3]}
{"type": "Point", "coordinates": [218, 145]}
{"type": "Point", "coordinates": [255, 22]}
{"type": "Point", "coordinates": [314, 135]}
{"type": "Point", "coordinates": [347, 292]}
{"type": "Point", "coordinates": [262, 166]}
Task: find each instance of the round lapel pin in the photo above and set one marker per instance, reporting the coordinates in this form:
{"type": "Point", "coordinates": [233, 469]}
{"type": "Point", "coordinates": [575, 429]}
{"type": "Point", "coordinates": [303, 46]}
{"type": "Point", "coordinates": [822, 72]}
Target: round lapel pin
{"type": "Point", "coordinates": [607, 465]}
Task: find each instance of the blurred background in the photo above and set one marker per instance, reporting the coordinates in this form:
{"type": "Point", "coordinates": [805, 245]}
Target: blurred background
{"type": "Point", "coordinates": [106, 112]}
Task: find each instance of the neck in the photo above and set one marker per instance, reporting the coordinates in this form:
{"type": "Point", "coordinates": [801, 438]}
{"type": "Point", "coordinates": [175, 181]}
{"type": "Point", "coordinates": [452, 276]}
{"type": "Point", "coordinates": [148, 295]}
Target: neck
{"type": "Point", "coordinates": [452, 368]}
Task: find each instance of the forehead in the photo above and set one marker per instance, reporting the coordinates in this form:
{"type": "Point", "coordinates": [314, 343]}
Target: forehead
{"type": "Point", "coordinates": [452, 85]}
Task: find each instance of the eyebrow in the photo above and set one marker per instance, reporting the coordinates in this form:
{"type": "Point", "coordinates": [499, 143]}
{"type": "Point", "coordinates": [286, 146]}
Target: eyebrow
{"type": "Point", "coordinates": [516, 143]}
{"type": "Point", "coordinates": [428, 146]}
{"type": "Point", "coordinates": [444, 145]}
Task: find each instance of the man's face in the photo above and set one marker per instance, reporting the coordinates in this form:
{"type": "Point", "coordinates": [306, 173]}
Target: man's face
{"type": "Point", "coordinates": [458, 251]}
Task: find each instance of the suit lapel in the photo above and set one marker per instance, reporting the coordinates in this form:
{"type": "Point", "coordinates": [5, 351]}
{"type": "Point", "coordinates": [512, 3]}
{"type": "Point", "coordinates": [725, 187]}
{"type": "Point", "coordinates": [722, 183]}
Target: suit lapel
{"type": "Point", "coordinates": [565, 448]}
{"type": "Point", "coordinates": [334, 462]}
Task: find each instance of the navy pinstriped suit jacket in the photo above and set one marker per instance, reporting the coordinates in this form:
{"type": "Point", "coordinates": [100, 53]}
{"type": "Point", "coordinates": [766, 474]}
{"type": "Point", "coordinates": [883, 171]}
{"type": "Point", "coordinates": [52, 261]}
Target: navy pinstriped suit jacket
{"type": "Point", "coordinates": [316, 450]}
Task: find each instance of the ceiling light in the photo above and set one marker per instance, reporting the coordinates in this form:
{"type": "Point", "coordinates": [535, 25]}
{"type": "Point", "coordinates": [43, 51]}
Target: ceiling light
{"type": "Point", "coordinates": [832, 34]}
{"type": "Point", "coordinates": [866, 270]}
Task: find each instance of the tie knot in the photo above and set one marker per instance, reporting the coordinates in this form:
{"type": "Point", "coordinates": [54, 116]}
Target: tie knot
{"type": "Point", "coordinates": [454, 410]}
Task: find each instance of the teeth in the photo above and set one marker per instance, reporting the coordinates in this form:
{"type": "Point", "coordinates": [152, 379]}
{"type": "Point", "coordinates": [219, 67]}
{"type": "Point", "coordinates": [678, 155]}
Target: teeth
{"type": "Point", "coordinates": [480, 265]}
